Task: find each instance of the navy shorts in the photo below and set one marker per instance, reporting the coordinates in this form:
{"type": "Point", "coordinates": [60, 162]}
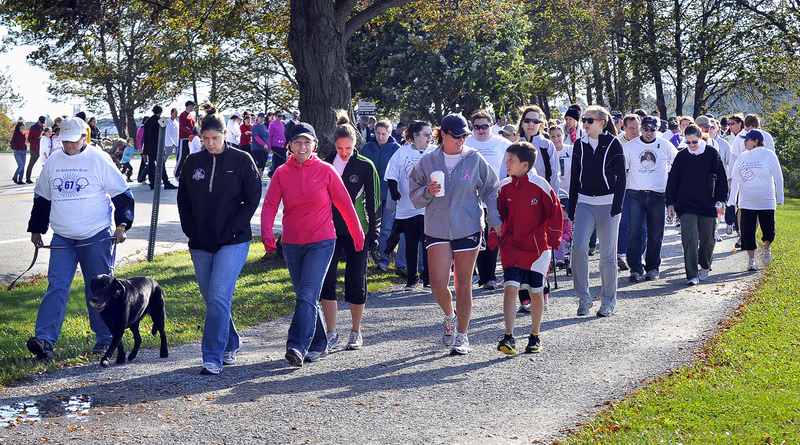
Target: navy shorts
{"type": "Point", "coordinates": [523, 279]}
{"type": "Point", "coordinates": [471, 242]}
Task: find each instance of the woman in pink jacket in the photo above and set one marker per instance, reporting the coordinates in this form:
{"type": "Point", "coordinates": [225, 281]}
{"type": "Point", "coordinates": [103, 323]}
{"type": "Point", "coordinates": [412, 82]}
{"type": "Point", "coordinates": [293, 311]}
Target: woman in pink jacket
{"type": "Point", "coordinates": [308, 186]}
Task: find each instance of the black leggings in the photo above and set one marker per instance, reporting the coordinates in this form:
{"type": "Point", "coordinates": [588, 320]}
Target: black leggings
{"type": "Point", "coordinates": [766, 218]}
{"type": "Point", "coordinates": [355, 272]}
{"type": "Point", "coordinates": [413, 228]}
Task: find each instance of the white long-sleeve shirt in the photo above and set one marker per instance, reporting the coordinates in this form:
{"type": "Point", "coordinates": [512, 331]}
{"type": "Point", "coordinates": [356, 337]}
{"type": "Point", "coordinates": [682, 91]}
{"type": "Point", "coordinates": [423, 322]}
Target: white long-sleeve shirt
{"type": "Point", "coordinates": [757, 179]}
{"type": "Point", "coordinates": [234, 133]}
{"type": "Point", "coordinates": [171, 133]}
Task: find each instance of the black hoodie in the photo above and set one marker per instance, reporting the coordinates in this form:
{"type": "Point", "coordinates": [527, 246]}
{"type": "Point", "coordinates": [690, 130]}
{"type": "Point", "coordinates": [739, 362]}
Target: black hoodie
{"type": "Point", "coordinates": [217, 197]}
{"type": "Point", "coordinates": [597, 172]}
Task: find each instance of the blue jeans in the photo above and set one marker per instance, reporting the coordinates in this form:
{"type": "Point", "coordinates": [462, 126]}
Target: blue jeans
{"type": "Point", "coordinates": [308, 264]}
{"type": "Point", "coordinates": [95, 259]}
{"type": "Point", "coordinates": [387, 221]}
{"type": "Point", "coordinates": [216, 276]}
{"type": "Point", "coordinates": [645, 207]}
{"type": "Point", "coordinates": [19, 156]}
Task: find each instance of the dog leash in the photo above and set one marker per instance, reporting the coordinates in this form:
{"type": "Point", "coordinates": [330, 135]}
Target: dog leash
{"type": "Point", "coordinates": [36, 255]}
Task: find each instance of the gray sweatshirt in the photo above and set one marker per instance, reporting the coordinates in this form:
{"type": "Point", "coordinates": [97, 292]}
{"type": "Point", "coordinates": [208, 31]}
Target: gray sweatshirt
{"type": "Point", "coordinates": [458, 213]}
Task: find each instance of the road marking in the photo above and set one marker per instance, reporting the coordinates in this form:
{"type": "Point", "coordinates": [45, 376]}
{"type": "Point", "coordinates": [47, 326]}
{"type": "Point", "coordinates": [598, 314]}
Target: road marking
{"type": "Point", "coordinates": [27, 195]}
{"type": "Point", "coordinates": [15, 241]}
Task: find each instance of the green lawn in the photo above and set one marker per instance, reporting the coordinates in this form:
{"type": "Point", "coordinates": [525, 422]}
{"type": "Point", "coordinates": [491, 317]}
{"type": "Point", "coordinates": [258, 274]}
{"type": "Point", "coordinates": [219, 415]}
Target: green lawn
{"type": "Point", "coordinates": [745, 390]}
{"type": "Point", "coordinates": [263, 292]}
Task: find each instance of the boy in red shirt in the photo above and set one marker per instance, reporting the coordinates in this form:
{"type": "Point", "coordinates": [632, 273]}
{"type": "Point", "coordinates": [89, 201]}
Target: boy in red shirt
{"type": "Point", "coordinates": [532, 223]}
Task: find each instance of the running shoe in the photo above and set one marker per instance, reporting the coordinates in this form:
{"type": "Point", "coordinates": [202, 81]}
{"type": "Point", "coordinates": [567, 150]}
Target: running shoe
{"type": "Point", "coordinates": [507, 345]}
{"type": "Point", "coordinates": [605, 311]}
{"type": "Point", "coordinates": [738, 244]}
{"type": "Point", "coordinates": [534, 344]}
{"type": "Point", "coordinates": [703, 274]}
{"type": "Point", "coordinates": [461, 345]}
{"type": "Point", "coordinates": [635, 277]}
{"type": "Point", "coordinates": [229, 357]}
{"type": "Point", "coordinates": [584, 306]}
{"type": "Point", "coordinates": [294, 357]}
{"type": "Point", "coordinates": [100, 348]}
{"type": "Point", "coordinates": [313, 356]}
{"type": "Point", "coordinates": [356, 341]}
{"type": "Point", "coordinates": [412, 283]}
{"type": "Point", "coordinates": [333, 341]}
{"type": "Point", "coordinates": [42, 348]}
{"type": "Point", "coordinates": [766, 256]}
{"type": "Point", "coordinates": [752, 266]}
{"type": "Point", "coordinates": [210, 369]}
{"type": "Point", "coordinates": [489, 285]}
{"type": "Point", "coordinates": [693, 282]}
{"type": "Point", "coordinates": [524, 307]}
{"type": "Point", "coordinates": [651, 275]}
{"type": "Point", "coordinates": [449, 330]}
{"type": "Point", "coordinates": [621, 264]}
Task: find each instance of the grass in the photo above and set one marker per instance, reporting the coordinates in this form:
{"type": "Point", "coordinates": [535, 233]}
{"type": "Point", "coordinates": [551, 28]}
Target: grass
{"type": "Point", "coordinates": [263, 292]}
{"type": "Point", "coordinates": [746, 387]}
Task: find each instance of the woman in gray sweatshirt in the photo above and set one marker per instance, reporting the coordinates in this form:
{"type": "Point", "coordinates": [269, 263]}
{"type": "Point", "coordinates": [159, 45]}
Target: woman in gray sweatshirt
{"type": "Point", "coordinates": [453, 222]}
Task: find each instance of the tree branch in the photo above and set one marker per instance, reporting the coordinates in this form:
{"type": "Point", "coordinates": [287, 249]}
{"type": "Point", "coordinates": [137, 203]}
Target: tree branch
{"type": "Point", "coordinates": [369, 13]}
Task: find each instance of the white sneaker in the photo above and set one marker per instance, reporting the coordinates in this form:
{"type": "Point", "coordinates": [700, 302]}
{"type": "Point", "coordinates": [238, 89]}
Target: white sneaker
{"type": "Point", "coordinates": [356, 341]}
{"type": "Point", "coordinates": [461, 346]}
{"type": "Point", "coordinates": [766, 256]}
{"type": "Point", "coordinates": [229, 357]}
{"type": "Point", "coordinates": [449, 330]}
{"type": "Point", "coordinates": [703, 274]}
{"type": "Point", "coordinates": [333, 341]}
{"type": "Point", "coordinates": [752, 266]}
{"type": "Point", "coordinates": [718, 237]}
{"type": "Point", "coordinates": [693, 282]}
{"type": "Point", "coordinates": [210, 369]}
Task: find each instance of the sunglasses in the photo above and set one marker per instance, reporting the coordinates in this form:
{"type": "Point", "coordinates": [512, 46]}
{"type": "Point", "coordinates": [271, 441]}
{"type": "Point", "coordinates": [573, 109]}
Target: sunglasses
{"type": "Point", "coordinates": [531, 121]}
{"type": "Point", "coordinates": [648, 128]}
{"type": "Point", "coordinates": [590, 120]}
{"type": "Point", "coordinates": [481, 127]}
{"type": "Point", "coordinates": [463, 136]}
{"type": "Point", "coordinates": [688, 142]}
{"type": "Point", "coordinates": [427, 134]}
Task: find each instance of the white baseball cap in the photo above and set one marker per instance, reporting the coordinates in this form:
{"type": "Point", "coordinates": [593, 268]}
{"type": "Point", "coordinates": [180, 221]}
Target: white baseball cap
{"type": "Point", "coordinates": [72, 129]}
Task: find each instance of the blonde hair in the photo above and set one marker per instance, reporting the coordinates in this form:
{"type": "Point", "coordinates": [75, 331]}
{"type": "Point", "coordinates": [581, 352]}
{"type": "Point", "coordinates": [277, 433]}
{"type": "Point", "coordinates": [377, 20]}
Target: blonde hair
{"type": "Point", "coordinates": [602, 113]}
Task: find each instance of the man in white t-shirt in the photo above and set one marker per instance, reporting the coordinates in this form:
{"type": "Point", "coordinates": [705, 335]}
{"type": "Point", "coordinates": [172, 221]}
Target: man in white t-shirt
{"type": "Point", "coordinates": [499, 124]}
{"type": "Point", "coordinates": [408, 220]}
{"type": "Point", "coordinates": [493, 148]}
{"type": "Point", "coordinates": [171, 140]}
{"type": "Point", "coordinates": [76, 193]}
{"type": "Point", "coordinates": [648, 160]}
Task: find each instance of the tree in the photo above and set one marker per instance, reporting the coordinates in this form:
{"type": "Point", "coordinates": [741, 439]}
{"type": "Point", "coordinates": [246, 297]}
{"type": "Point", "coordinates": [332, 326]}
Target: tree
{"type": "Point", "coordinates": [414, 65]}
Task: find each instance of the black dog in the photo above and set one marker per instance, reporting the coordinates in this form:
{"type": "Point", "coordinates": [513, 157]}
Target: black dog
{"type": "Point", "coordinates": [122, 304]}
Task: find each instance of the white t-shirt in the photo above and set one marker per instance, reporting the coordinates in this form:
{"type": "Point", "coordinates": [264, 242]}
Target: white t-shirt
{"type": "Point", "coordinates": [195, 145]}
{"type": "Point", "coordinates": [79, 188]}
{"type": "Point", "coordinates": [339, 164]}
{"type": "Point", "coordinates": [171, 133]}
{"type": "Point", "coordinates": [756, 177]}
{"type": "Point", "coordinates": [398, 169]}
{"type": "Point", "coordinates": [648, 164]}
{"type": "Point", "coordinates": [234, 132]}
{"type": "Point", "coordinates": [493, 150]}
{"type": "Point", "coordinates": [541, 144]}
{"type": "Point", "coordinates": [45, 145]}
{"type": "Point", "coordinates": [564, 169]}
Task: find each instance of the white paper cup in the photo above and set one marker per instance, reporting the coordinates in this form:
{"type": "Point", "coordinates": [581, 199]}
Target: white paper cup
{"type": "Point", "coordinates": [438, 177]}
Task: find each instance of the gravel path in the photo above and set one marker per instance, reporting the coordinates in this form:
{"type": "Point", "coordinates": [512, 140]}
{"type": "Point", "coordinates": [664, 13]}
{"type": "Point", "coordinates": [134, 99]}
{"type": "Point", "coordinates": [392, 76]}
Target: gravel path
{"type": "Point", "coordinates": [402, 387]}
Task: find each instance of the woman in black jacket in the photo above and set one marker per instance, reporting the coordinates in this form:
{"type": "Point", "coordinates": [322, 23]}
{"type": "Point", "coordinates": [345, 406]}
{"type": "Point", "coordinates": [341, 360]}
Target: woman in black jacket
{"type": "Point", "coordinates": [363, 185]}
{"type": "Point", "coordinates": [218, 195]}
{"type": "Point", "coordinates": [597, 186]}
{"type": "Point", "coordinates": [696, 188]}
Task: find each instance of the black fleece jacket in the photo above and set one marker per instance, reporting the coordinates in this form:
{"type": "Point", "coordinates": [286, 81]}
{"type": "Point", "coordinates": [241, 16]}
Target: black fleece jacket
{"type": "Point", "coordinates": [597, 172]}
{"type": "Point", "coordinates": [689, 182]}
{"type": "Point", "coordinates": [217, 197]}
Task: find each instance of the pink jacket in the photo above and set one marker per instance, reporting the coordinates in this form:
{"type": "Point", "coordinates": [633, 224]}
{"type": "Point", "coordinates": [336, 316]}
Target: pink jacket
{"type": "Point", "coordinates": [276, 137]}
{"type": "Point", "coordinates": [307, 191]}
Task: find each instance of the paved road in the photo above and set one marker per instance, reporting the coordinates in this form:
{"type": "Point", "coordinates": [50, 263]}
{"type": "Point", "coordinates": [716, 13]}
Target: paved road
{"type": "Point", "coordinates": [402, 387]}
{"type": "Point", "coordinates": [16, 250]}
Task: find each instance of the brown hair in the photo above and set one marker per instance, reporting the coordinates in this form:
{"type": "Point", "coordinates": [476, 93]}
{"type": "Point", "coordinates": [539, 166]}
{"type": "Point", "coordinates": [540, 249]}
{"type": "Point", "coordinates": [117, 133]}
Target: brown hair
{"type": "Point", "coordinates": [343, 127]}
{"type": "Point", "coordinates": [212, 120]}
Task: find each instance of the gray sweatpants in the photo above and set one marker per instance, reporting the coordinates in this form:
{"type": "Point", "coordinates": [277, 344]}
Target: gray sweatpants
{"type": "Point", "coordinates": [697, 237]}
{"type": "Point", "coordinates": [587, 218]}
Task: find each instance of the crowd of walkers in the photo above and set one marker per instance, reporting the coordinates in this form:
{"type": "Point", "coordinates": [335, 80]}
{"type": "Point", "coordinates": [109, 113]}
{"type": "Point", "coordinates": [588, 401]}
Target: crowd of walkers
{"type": "Point", "coordinates": [444, 202]}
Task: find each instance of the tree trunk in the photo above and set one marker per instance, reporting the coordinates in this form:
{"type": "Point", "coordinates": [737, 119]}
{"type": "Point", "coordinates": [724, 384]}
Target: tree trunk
{"type": "Point", "coordinates": [678, 59]}
{"type": "Point", "coordinates": [317, 44]}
